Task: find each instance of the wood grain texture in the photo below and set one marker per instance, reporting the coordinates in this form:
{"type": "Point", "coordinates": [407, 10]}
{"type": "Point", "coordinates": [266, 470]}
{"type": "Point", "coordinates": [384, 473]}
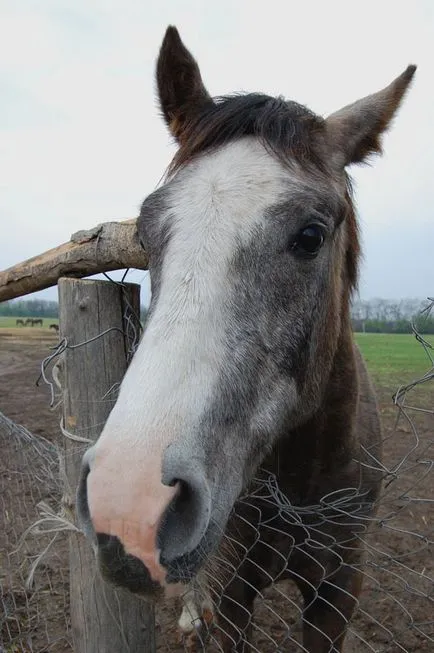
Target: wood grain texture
{"type": "Point", "coordinates": [103, 619]}
{"type": "Point", "coordinates": [109, 246]}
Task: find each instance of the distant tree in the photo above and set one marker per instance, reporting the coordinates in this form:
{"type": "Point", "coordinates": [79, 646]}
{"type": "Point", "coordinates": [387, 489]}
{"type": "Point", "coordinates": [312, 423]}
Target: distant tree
{"type": "Point", "coordinates": [30, 308]}
{"type": "Point", "coordinates": [390, 316]}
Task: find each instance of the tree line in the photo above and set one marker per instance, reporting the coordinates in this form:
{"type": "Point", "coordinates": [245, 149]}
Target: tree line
{"type": "Point", "coordinates": [391, 316]}
{"type": "Point", "coordinates": [370, 316]}
{"type": "Point", "coordinates": [29, 308]}
{"type": "Point", "coordinates": [37, 308]}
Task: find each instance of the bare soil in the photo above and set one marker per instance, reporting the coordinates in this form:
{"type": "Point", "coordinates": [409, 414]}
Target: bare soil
{"type": "Point", "coordinates": [396, 608]}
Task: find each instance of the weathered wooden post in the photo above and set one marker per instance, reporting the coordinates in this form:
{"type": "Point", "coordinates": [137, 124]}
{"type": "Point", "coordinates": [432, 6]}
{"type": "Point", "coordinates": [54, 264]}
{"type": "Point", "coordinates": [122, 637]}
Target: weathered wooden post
{"type": "Point", "coordinates": [103, 619]}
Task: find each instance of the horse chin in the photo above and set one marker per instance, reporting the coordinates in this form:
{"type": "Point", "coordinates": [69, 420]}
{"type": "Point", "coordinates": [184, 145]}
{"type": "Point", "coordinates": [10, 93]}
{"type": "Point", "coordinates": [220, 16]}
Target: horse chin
{"type": "Point", "coordinates": [186, 567]}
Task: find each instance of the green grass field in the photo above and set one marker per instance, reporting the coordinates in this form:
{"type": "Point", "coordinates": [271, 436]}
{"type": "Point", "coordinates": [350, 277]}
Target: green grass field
{"type": "Point", "coordinates": [394, 358]}
{"type": "Point", "coordinates": [10, 322]}
{"type": "Point", "coordinates": [391, 358]}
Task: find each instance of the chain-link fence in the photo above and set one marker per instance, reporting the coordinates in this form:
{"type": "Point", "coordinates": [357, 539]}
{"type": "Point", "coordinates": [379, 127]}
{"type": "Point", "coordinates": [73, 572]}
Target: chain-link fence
{"type": "Point", "coordinates": [34, 610]}
{"type": "Point", "coordinates": [394, 612]}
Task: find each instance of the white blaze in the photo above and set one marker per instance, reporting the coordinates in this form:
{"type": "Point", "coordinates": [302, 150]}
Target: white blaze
{"type": "Point", "coordinates": [214, 206]}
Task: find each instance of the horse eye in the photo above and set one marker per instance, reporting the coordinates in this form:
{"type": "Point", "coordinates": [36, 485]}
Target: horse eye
{"type": "Point", "coordinates": [309, 240]}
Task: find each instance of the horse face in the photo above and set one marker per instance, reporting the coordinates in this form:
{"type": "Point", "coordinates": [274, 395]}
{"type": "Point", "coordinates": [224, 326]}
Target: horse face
{"type": "Point", "coordinates": [252, 246]}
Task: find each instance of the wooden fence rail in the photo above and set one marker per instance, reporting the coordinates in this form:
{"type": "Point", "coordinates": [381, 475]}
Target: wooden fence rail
{"type": "Point", "coordinates": [109, 246]}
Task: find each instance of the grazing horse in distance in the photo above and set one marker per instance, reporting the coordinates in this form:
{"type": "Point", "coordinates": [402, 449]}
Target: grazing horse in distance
{"type": "Point", "coordinates": [34, 321]}
{"type": "Point", "coordinates": [55, 327]}
{"type": "Point", "coordinates": [240, 449]}
{"type": "Point", "coordinates": [19, 322]}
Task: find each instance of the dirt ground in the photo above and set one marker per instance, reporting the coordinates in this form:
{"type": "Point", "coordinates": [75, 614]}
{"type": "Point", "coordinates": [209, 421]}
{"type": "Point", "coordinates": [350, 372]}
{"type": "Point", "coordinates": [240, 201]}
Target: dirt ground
{"type": "Point", "coordinates": [397, 603]}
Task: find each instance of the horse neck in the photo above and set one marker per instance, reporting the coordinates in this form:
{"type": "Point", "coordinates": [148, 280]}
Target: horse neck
{"type": "Point", "coordinates": [318, 454]}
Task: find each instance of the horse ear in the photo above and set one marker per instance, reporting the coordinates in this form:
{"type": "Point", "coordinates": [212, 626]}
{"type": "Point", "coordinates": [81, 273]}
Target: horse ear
{"type": "Point", "coordinates": [355, 131]}
{"type": "Point", "coordinates": [180, 88]}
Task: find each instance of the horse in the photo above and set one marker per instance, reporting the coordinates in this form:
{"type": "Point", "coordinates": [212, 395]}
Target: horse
{"type": "Point", "coordinates": [245, 444]}
{"type": "Point", "coordinates": [29, 322]}
{"type": "Point", "coordinates": [55, 327]}
{"type": "Point", "coordinates": [19, 322]}
{"type": "Point", "coordinates": [38, 321]}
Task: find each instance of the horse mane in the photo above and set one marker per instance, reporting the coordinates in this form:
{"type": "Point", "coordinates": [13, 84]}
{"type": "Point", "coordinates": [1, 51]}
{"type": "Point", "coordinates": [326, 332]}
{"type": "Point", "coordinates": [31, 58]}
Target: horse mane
{"type": "Point", "coordinates": [353, 252]}
{"type": "Point", "coordinates": [288, 130]}
{"type": "Point", "coordinates": [285, 128]}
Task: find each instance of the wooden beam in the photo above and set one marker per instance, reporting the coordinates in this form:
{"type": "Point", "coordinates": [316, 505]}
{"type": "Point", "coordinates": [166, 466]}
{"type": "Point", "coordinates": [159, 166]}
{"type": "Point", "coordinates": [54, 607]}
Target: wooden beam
{"type": "Point", "coordinates": [109, 246]}
{"type": "Point", "coordinates": [102, 618]}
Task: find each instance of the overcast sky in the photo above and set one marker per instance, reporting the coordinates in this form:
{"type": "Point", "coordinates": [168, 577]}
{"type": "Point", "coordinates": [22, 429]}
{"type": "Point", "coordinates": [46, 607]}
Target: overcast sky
{"type": "Point", "coordinates": [82, 142]}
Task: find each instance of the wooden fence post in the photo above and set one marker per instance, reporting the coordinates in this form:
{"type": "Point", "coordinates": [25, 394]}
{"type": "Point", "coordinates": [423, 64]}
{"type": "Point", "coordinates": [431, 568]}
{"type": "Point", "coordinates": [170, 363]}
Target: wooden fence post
{"type": "Point", "coordinates": [103, 619]}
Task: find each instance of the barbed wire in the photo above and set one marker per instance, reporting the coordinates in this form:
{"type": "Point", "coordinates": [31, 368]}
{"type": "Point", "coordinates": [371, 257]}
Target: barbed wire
{"type": "Point", "coordinates": [394, 612]}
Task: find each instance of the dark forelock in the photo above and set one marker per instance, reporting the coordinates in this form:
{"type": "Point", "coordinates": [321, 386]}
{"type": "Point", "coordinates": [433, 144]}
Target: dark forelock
{"type": "Point", "coordinates": [286, 129]}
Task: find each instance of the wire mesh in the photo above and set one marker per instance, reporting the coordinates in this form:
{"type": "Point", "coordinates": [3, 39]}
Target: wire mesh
{"type": "Point", "coordinates": [34, 614]}
{"type": "Point", "coordinates": [395, 609]}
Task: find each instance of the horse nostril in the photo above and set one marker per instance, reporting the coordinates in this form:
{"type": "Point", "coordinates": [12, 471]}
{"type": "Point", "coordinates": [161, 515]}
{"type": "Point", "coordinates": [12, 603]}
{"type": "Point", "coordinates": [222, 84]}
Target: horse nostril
{"type": "Point", "coordinates": [186, 518]}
